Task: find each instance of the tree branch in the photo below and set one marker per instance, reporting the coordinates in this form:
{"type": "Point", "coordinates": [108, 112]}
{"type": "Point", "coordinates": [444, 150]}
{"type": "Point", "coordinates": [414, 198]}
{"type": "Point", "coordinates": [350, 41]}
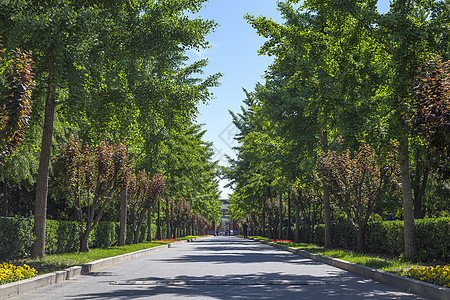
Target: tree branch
{"type": "Point", "coordinates": [365, 25]}
{"type": "Point", "coordinates": [60, 102]}
{"type": "Point", "coordinates": [40, 124]}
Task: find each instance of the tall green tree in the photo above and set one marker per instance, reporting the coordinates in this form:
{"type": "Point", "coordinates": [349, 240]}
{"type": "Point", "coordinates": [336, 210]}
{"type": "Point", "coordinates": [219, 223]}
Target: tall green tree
{"type": "Point", "coordinates": [75, 40]}
{"type": "Point", "coordinates": [406, 34]}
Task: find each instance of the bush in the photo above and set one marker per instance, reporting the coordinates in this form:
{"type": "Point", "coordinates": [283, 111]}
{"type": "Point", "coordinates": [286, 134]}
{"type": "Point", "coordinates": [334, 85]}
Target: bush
{"type": "Point", "coordinates": [16, 236]}
{"type": "Point", "coordinates": [343, 236]}
{"type": "Point", "coordinates": [61, 237]}
{"type": "Point", "coordinates": [319, 237]}
{"type": "Point", "coordinates": [105, 234]}
{"type": "Point", "coordinates": [68, 236]}
{"type": "Point", "coordinates": [142, 233]}
{"type": "Point", "coordinates": [433, 239]}
{"type": "Point", "coordinates": [385, 237]}
{"type": "Point", "coordinates": [51, 236]}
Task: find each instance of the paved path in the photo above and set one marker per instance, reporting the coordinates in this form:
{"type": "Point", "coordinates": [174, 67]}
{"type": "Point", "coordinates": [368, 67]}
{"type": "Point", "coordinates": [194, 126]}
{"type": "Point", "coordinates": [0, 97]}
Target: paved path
{"type": "Point", "coordinates": [220, 268]}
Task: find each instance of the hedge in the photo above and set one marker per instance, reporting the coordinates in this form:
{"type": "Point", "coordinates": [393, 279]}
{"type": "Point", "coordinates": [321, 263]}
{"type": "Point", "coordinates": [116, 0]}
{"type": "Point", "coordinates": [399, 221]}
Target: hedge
{"type": "Point", "coordinates": [16, 236]}
{"type": "Point", "coordinates": [432, 238]}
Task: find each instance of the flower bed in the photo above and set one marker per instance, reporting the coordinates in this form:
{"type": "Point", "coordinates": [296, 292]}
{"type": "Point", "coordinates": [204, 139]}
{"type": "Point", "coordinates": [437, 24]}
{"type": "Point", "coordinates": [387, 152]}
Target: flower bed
{"type": "Point", "coordinates": [281, 241]}
{"type": "Point", "coordinates": [10, 273]}
{"type": "Point", "coordinates": [168, 240]}
{"type": "Point", "coordinates": [436, 275]}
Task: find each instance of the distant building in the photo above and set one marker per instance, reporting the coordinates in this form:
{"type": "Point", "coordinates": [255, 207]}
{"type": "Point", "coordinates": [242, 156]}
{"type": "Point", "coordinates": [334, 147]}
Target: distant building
{"type": "Point", "coordinates": [226, 223]}
{"type": "Point", "coordinates": [229, 223]}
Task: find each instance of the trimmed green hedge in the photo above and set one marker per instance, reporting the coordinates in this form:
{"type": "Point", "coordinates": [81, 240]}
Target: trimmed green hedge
{"type": "Point", "coordinates": [104, 235]}
{"type": "Point", "coordinates": [16, 236]}
{"type": "Point", "coordinates": [432, 238]}
{"type": "Point", "coordinates": [385, 237]}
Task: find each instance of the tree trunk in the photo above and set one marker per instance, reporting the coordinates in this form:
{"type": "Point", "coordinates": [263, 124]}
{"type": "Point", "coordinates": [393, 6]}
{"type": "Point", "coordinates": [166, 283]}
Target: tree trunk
{"type": "Point", "coordinates": [5, 197]}
{"type": "Point", "coordinates": [297, 222]}
{"type": "Point", "coordinates": [408, 211]}
{"type": "Point", "coordinates": [326, 199]}
{"type": "Point", "coordinates": [263, 220]}
{"type": "Point", "coordinates": [269, 229]}
{"type": "Point", "coordinates": [158, 223]}
{"type": "Point", "coordinates": [84, 243]}
{"type": "Point", "coordinates": [123, 217]}
{"type": "Point", "coordinates": [84, 239]}
{"type": "Point", "coordinates": [420, 185]}
{"type": "Point", "coordinates": [40, 212]}
{"type": "Point", "coordinates": [149, 224]}
{"type": "Point", "coordinates": [360, 232]}
{"type": "Point", "coordinates": [167, 218]}
{"type": "Point", "coordinates": [288, 231]}
{"type": "Point", "coordinates": [280, 215]}
{"type": "Point", "coordinates": [136, 234]}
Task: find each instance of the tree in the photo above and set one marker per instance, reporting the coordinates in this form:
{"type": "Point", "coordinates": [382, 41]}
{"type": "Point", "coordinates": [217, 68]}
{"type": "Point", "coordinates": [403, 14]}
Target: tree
{"type": "Point", "coordinates": [144, 194]}
{"type": "Point", "coordinates": [357, 183]}
{"type": "Point", "coordinates": [309, 204]}
{"type": "Point", "coordinates": [409, 31]}
{"type": "Point", "coordinates": [316, 89]}
{"type": "Point", "coordinates": [352, 67]}
{"type": "Point", "coordinates": [429, 112]}
{"type": "Point", "coordinates": [78, 43]}
{"type": "Point", "coordinates": [91, 177]}
{"type": "Point", "coordinates": [16, 105]}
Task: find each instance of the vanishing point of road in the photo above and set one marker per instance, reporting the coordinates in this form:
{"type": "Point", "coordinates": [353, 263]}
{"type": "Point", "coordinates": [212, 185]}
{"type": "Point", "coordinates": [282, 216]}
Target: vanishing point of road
{"type": "Point", "coordinates": [220, 268]}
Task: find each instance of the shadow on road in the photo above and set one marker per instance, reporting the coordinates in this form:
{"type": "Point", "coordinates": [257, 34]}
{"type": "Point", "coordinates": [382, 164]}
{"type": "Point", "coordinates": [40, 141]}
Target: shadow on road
{"type": "Point", "coordinates": [333, 284]}
{"type": "Point", "coordinates": [349, 288]}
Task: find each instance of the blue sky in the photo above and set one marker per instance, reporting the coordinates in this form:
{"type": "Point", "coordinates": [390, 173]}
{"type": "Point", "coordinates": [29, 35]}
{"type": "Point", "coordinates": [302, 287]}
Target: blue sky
{"type": "Point", "coordinates": [233, 52]}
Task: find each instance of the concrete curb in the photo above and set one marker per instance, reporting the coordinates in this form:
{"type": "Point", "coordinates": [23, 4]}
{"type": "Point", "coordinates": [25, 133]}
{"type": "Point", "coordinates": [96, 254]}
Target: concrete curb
{"type": "Point", "coordinates": [24, 286]}
{"type": "Point", "coordinates": [421, 288]}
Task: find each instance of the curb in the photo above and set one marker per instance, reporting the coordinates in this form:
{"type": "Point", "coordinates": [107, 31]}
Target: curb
{"type": "Point", "coordinates": [24, 286]}
{"type": "Point", "coordinates": [421, 288]}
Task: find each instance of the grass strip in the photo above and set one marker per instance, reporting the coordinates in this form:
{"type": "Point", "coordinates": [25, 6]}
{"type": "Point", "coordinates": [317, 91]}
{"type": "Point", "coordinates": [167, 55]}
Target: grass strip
{"type": "Point", "coordinates": [57, 262]}
{"type": "Point", "coordinates": [392, 265]}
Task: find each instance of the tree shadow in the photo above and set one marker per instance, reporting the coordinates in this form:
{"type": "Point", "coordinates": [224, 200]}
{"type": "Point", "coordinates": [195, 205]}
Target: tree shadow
{"type": "Point", "coordinates": [307, 287]}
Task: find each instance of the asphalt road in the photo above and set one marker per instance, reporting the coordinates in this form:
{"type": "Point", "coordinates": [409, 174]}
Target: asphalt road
{"type": "Point", "coordinates": [220, 268]}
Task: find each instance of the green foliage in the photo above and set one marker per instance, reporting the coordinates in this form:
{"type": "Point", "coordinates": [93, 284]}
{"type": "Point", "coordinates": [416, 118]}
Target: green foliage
{"type": "Point", "coordinates": [16, 105]}
{"type": "Point", "coordinates": [189, 170]}
{"type": "Point", "coordinates": [105, 235]}
{"type": "Point", "coordinates": [429, 114]}
{"type": "Point", "coordinates": [432, 238]}
{"type": "Point", "coordinates": [343, 236]}
{"type": "Point", "coordinates": [129, 239]}
{"type": "Point", "coordinates": [118, 72]}
{"type": "Point", "coordinates": [16, 236]}
{"type": "Point", "coordinates": [385, 237]}
{"type": "Point", "coordinates": [68, 236]}
{"type": "Point", "coordinates": [62, 236]}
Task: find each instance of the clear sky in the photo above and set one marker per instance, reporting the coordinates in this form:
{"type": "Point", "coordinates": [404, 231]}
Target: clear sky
{"type": "Point", "coordinates": [233, 52]}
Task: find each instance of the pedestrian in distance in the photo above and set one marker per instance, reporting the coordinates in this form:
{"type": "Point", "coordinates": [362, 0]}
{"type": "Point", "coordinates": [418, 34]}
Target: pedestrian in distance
{"type": "Point", "coordinates": [245, 226]}
{"type": "Point", "coordinates": [391, 217]}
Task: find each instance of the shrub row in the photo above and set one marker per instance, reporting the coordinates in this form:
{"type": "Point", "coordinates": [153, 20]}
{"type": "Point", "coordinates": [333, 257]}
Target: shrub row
{"type": "Point", "coordinates": [16, 236]}
{"type": "Point", "coordinates": [432, 238]}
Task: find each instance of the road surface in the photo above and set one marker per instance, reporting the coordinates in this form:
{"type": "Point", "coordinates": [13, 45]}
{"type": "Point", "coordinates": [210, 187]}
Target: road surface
{"type": "Point", "coordinates": [220, 268]}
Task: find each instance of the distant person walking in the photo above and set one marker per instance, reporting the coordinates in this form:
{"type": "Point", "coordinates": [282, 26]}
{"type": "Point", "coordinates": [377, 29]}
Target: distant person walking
{"type": "Point", "coordinates": [391, 217]}
{"type": "Point", "coordinates": [245, 226]}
